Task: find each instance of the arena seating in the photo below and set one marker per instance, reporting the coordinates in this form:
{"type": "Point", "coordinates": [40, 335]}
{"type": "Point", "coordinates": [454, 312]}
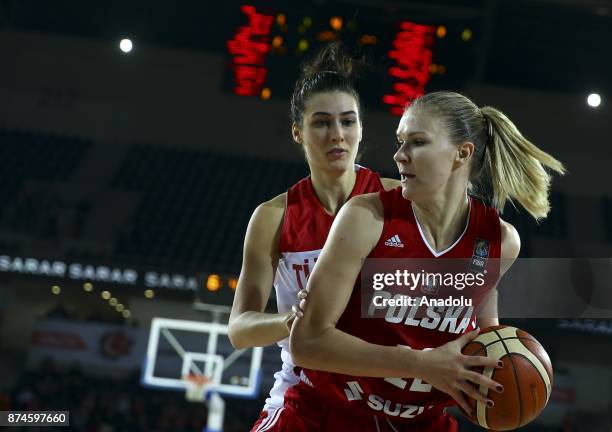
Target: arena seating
{"type": "Point", "coordinates": [35, 156]}
{"type": "Point", "coordinates": [195, 205]}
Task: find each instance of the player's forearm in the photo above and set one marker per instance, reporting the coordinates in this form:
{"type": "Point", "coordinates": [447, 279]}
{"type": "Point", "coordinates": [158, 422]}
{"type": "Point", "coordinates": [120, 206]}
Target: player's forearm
{"type": "Point", "coordinates": [252, 329]}
{"type": "Point", "coordinates": [335, 351]}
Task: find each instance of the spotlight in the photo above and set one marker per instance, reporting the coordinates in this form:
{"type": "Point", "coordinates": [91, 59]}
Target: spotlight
{"type": "Point", "coordinates": [232, 283]}
{"type": "Point", "coordinates": [213, 283]}
{"type": "Point", "coordinates": [594, 100]}
{"type": "Point", "coordinates": [126, 45]}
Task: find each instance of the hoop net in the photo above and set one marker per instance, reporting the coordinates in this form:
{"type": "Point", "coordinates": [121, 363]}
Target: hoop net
{"type": "Point", "coordinates": [196, 387]}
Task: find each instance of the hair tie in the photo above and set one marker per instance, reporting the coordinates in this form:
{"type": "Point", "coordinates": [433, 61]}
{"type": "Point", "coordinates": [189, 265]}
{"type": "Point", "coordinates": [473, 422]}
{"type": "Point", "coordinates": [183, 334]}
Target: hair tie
{"type": "Point", "coordinates": [489, 127]}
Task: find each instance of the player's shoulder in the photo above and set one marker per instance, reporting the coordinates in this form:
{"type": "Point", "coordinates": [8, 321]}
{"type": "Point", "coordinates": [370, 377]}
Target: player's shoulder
{"type": "Point", "coordinates": [278, 202]}
{"type": "Point", "coordinates": [510, 240]}
{"type": "Point", "coordinates": [363, 214]}
{"type": "Point", "coordinates": [389, 183]}
{"type": "Point", "coordinates": [365, 207]}
{"type": "Point", "coordinates": [270, 213]}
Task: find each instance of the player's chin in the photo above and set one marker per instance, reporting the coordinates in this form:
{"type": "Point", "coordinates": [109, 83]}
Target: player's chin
{"type": "Point", "coordinates": [408, 192]}
{"type": "Point", "coordinates": [341, 164]}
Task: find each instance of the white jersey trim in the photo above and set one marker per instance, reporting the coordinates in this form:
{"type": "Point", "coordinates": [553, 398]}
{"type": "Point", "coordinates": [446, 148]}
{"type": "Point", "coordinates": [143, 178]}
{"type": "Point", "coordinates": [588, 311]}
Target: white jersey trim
{"type": "Point", "coordinates": [432, 250]}
{"type": "Point", "coordinates": [286, 286]}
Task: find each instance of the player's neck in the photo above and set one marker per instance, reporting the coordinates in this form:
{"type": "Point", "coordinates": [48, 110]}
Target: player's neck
{"type": "Point", "coordinates": [443, 219]}
{"type": "Point", "coordinates": [332, 188]}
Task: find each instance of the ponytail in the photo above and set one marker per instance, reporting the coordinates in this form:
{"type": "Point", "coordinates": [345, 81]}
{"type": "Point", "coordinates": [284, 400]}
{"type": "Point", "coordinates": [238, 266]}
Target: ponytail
{"type": "Point", "coordinates": [516, 168]}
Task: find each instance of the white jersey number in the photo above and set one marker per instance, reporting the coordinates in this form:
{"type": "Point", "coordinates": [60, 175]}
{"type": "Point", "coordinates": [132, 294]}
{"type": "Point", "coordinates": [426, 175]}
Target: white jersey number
{"type": "Point", "coordinates": [418, 385]}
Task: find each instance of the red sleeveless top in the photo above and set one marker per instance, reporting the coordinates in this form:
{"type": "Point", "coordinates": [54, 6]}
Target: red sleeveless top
{"type": "Point", "coordinates": [307, 224]}
{"type": "Point", "coordinates": [305, 228]}
{"type": "Point", "coordinates": [416, 326]}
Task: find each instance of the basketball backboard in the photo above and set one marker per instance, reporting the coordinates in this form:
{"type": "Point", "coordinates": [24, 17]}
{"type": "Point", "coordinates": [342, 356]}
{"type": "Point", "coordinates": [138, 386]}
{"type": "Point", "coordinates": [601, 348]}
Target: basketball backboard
{"type": "Point", "coordinates": [177, 348]}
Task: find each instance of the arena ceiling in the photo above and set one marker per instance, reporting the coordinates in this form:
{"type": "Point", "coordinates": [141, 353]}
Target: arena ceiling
{"type": "Point", "coordinates": [551, 45]}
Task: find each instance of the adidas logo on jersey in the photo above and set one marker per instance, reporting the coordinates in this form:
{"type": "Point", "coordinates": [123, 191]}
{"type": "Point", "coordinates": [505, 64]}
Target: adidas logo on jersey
{"type": "Point", "coordinates": [394, 242]}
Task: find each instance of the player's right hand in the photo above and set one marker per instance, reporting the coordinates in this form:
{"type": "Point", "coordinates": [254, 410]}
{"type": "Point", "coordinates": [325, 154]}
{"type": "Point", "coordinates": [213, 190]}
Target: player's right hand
{"type": "Point", "coordinates": [449, 370]}
{"type": "Point", "coordinates": [298, 309]}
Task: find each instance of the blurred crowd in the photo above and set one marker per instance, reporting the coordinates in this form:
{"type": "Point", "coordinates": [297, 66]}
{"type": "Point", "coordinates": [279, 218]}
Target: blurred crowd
{"type": "Point", "coordinates": [104, 404]}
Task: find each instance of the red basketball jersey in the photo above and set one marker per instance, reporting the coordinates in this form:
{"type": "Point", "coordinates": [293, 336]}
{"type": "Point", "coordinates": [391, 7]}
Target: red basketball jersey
{"type": "Point", "coordinates": [307, 224]}
{"type": "Point", "coordinates": [305, 228]}
{"type": "Point", "coordinates": [418, 327]}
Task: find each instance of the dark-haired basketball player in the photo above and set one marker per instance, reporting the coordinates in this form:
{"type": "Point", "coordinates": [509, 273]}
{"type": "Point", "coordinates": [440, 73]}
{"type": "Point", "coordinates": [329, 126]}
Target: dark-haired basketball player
{"type": "Point", "coordinates": [286, 234]}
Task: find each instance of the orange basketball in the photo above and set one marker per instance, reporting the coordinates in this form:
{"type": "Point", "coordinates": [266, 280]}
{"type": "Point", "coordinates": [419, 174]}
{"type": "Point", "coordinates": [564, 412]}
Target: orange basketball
{"type": "Point", "coordinates": [527, 378]}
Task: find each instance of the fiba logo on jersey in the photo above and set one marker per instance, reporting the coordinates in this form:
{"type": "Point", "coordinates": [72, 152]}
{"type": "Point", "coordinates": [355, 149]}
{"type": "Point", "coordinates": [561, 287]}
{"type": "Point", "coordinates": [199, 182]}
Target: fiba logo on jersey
{"type": "Point", "coordinates": [480, 255]}
{"type": "Point", "coordinates": [481, 248]}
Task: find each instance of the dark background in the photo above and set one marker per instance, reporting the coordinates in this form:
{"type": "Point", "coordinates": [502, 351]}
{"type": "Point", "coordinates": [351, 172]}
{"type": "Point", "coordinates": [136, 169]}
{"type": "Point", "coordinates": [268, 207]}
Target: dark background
{"type": "Point", "coordinates": [148, 161]}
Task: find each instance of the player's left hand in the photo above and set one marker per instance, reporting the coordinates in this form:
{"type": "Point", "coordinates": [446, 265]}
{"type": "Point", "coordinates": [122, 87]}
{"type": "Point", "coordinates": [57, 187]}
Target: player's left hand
{"type": "Point", "coordinates": [298, 309]}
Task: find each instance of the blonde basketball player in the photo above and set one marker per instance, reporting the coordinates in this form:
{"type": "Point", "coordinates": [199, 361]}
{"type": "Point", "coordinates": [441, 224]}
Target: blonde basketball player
{"type": "Point", "coordinates": [361, 373]}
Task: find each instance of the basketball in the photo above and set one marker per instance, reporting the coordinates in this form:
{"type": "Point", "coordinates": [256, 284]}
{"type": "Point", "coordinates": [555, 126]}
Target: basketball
{"type": "Point", "coordinates": [526, 376]}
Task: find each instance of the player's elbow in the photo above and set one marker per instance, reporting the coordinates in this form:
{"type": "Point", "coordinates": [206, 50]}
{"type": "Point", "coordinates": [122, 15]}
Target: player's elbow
{"type": "Point", "coordinates": [301, 342]}
{"type": "Point", "coordinates": [235, 335]}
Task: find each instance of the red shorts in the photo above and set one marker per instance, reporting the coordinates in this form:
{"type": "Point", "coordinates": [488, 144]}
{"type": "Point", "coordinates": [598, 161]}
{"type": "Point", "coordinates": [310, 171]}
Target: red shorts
{"type": "Point", "coordinates": [304, 411]}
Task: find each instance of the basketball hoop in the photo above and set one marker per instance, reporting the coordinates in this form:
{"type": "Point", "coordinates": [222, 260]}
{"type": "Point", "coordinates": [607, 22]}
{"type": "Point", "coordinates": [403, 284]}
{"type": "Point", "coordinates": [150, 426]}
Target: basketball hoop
{"type": "Point", "coordinates": [198, 358]}
{"type": "Point", "coordinates": [196, 387]}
